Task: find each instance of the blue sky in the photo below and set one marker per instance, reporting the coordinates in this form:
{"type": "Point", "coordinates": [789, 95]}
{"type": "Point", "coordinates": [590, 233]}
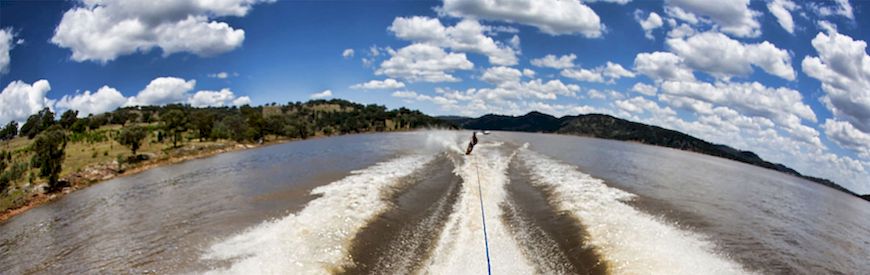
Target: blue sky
{"type": "Point", "coordinates": [732, 72]}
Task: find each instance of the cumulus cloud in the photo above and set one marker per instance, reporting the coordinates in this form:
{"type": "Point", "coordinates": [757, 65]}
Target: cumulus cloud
{"type": "Point", "coordinates": [847, 136]}
{"type": "Point", "coordinates": [385, 84]}
{"type": "Point", "coordinates": [6, 45]}
{"type": "Point", "coordinates": [653, 21]}
{"type": "Point", "coordinates": [609, 73]}
{"type": "Point", "coordinates": [843, 68]}
{"type": "Point", "coordinates": [20, 99]}
{"type": "Point", "coordinates": [424, 62]}
{"type": "Point", "coordinates": [224, 97]}
{"type": "Point", "coordinates": [162, 91]}
{"type": "Point", "coordinates": [321, 95]}
{"type": "Point", "coordinates": [645, 89]}
{"type": "Point", "coordinates": [552, 61]}
{"type": "Point", "coordinates": [732, 17]}
{"type": "Point", "coordinates": [783, 106]}
{"type": "Point", "coordinates": [104, 30]}
{"type": "Point", "coordinates": [782, 9]}
{"type": "Point", "coordinates": [554, 17]}
{"type": "Point", "coordinates": [347, 53]}
{"type": "Point", "coordinates": [640, 105]}
{"type": "Point", "coordinates": [661, 66]}
{"type": "Point", "coordinates": [723, 57]}
{"type": "Point", "coordinates": [466, 36]}
{"type": "Point", "coordinates": [104, 100]}
{"type": "Point", "coordinates": [840, 7]}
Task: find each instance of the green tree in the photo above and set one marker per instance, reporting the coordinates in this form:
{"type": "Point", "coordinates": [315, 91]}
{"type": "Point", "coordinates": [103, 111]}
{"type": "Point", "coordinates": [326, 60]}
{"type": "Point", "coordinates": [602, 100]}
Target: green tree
{"type": "Point", "coordinates": [10, 131]}
{"type": "Point", "coordinates": [203, 122]}
{"type": "Point", "coordinates": [37, 123]}
{"type": "Point", "coordinates": [175, 122]}
{"type": "Point", "coordinates": [132, 137]}
{"type": "Point", "coordinates": [48, 149]}
{"type": "Point", "coordinates": [68, 118]}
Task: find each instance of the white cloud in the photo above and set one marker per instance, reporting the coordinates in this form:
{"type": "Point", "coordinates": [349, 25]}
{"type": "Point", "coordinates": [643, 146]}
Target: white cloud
{"type": "Point", "coordinates": [842, 8]}
{"type": "Point", "coordinates": [163, 90]}
{"type": "Point", "coordinates": [224, 97]}
{"type": "Point", "coordinates": [221, 75]}
{"type": "Point", "coordinates": [528, 73]}
{"type": "Point", "coordinates": [104, 100]}
{"type": "Point", "coordinates": [652, 22]}
{"type": "Point", "coordinates": [242, 100]}
{"type": "Point", "coordinates": [783, 106]}
{"type": "Point", "coordinates": [640, 105]}
{"type": "Point", "coordinates": [662, 66]}
{"type": "Point", "coordinates": [782, 9]}
{"type": "Point", "coordinates": [424, 62]}
{"type": "Point", "coordinates": [645, 89]}
{"type": "Point", "coordinates": [385, 84]}
{"type": "Point", "coordinates": [849, 137]}
{"type": "Point", "coordinates": [466, 36]}
{"type": "Point", "coordinates": [104, 30]}
{"type": "Point", "coordinates": [321, 95]}
{"type": "Point", "coordinates": [588, 75]}
{"type": "Point", "coordinates": [497, 75]}
{"type": "Point", "coordinates": [20, 100]}
{"type": "Point", "coordinates": [843, 67]}
{"type": "Point", "coordinates": [554, 17]}
{"type": "Point", "coordinates": [724, 57]}
{"type": "Point", "coordinates": [347, 53]}
{"type": "Point", "coordinates": [551, 61]}
{"type": "Point", "coordinates": [733, 17]}
{"type": "Point", "coordinates": [609, 73]}
{"type": "Point", "coordinates": [6, 45]}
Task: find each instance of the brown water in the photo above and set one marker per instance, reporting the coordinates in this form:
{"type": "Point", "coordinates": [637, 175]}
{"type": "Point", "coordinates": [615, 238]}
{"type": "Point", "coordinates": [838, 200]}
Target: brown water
{"type": "Point", "coordinates": [409, 202]}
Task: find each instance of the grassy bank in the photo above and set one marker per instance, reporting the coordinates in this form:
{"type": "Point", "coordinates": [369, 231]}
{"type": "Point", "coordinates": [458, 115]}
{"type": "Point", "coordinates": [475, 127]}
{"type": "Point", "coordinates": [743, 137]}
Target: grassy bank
{"type": "Point", "coordinates": [101, 147]}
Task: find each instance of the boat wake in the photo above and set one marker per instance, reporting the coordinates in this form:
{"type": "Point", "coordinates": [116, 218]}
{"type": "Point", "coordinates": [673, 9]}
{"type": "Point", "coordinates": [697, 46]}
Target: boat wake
{"type": "Point", "coordinates": [425, 214]}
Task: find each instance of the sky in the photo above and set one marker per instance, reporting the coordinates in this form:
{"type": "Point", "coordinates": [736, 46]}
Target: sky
{"type": "Point", "coordinates": [789, 80]}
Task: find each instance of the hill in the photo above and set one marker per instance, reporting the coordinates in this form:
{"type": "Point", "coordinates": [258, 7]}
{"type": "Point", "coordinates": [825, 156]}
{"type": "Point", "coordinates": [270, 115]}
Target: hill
{"type": "Point", "coordinates": [609, 127]}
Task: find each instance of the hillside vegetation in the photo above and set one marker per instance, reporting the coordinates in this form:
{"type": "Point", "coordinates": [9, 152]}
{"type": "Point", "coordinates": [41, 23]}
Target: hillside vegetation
{"type": "Point", "coordinates": [48, 155]}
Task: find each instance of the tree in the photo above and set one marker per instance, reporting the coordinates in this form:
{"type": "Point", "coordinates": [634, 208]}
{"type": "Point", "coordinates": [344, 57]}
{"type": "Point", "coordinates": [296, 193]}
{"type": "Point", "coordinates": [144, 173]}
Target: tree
{"type": "Point", "coordinates": [203, 122]}
{"type": "Point", "coordinates": [132, 137]}
{"type": "Point", "coordinates": [10, 131]}
{"type": "Point", "coordinates": [175, 122]}
{"type": "Point", "coordinates": [48, 149]}
{"type": "Point", "coordinates": [68, 118]}
{"type": "Point", "coordinates": [37, 123]}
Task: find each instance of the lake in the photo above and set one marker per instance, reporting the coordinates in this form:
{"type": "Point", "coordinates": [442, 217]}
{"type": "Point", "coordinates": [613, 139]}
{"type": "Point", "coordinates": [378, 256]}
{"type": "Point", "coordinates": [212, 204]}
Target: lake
{"type": "Point", "coordinates": [414, 203]}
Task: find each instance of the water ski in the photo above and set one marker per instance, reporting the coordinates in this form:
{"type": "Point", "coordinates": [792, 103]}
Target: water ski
{"type": "Point", "coordinates": [471, 144]}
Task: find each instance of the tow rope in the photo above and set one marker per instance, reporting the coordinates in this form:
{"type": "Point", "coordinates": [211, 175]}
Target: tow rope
{"type": "Point", "coordinates": [483, 218]}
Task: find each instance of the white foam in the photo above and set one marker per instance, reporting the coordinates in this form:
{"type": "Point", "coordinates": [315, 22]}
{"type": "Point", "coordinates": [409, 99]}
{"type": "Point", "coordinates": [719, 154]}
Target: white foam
{"type": "Point", "coordinates": [317, 239]}
{"type": "Point", "coordinates": [460, 249]}
{"type": "Point", "coordinates": [631, 241]}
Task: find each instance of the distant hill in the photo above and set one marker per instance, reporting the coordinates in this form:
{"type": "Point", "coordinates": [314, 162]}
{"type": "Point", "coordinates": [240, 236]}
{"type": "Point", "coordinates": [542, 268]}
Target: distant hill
{"type": "Point", "coordinates": [609, 127]}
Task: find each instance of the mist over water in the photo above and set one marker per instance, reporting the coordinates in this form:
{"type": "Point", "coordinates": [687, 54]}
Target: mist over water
{"type": "Point", "coordinates": [414, 203]}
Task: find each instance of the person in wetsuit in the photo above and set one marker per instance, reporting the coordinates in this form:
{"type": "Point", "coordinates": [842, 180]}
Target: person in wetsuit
{"type": "Point", "coordinates": [471, 144]}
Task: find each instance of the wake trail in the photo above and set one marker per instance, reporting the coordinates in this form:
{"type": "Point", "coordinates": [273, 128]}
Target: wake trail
{"type": "Point", "coordinates": [317, 240]}
{"type": "Point", "coordinates": [461, 248]}
{"type": "Point", "coordinates": [631, 242]}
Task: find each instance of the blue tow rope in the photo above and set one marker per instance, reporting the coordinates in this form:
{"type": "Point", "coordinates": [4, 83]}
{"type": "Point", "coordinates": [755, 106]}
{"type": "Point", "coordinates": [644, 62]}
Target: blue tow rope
{"type": "Point", "coordinates": [483, 217]}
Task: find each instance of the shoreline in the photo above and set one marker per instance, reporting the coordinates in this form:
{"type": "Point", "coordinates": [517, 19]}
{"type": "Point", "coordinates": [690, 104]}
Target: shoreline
{"type": "Point", "coordinates": [40, 199]}
{"type": "Point", "coordinates": [43, 198]}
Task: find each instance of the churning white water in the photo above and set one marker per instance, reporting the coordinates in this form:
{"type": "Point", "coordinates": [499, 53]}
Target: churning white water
{"type": "Point", "coordinates": [461, 247]}
{"type": "Point", "coordinates": [317, 239]}
{"type": "Point", "coordinates": [631, 241]}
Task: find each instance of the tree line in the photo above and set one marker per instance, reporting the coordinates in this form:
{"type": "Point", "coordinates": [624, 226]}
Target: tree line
{"type": "Point", "coordinates": [176, 123]}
